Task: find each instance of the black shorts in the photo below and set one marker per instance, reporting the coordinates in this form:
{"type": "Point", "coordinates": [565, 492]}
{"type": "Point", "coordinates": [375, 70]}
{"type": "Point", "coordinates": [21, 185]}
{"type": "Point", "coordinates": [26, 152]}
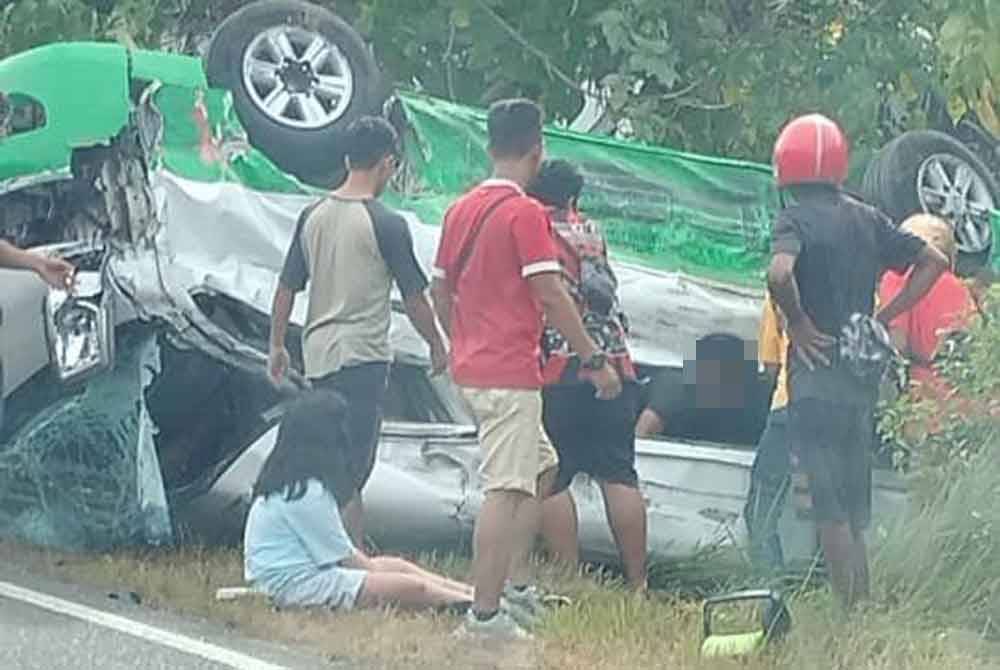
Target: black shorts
{"type": "Point", "coordinates": [596, 437]}
{"type": "Point", "coordinates": [834, 445]}
{"type": "Point", "coordinates": [364, 387]}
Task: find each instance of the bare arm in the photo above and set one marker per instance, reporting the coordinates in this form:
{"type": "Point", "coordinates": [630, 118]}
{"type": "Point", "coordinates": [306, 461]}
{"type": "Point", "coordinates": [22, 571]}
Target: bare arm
{"type": "Point", "coordinates": [561, 313]}
{"type": "Point", "coordinates": [929, 266]}
{"type": "Point", "coordinates": [783, 287]}
{"type": "Point", "coordinates": [441, 295]}
{"type": "Point", "coordinates": [281, 312]}
{"type": "Point", "coordinates": [418, 310]}
{"type": "Point", "coordinates": [18, 259]}
{"type": "Point", "coordinates": [421, 315]}
{"type": "Point", "coordinates": [55, 272]}
{"type": "Point", "coordinates": [810, 343]}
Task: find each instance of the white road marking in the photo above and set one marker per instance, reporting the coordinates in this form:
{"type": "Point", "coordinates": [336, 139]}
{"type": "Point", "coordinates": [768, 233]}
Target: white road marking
{"type": "Point", "coordinates": [182, 643]}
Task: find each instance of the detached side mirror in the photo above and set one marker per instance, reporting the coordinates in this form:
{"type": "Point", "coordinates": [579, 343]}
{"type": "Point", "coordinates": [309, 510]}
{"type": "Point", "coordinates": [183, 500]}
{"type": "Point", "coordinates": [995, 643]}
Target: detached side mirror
{"type": "Point", "coordinates": [80, 328]}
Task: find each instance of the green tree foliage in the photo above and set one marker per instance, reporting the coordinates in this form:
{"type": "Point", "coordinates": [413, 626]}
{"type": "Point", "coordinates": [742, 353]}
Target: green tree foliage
{"type": "Point", "coordinates": [714, 76]}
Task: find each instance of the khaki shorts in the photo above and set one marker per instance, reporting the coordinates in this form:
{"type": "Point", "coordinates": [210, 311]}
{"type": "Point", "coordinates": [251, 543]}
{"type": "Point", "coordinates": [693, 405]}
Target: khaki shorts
{"type": "Point", "coordinates": [515, 449]}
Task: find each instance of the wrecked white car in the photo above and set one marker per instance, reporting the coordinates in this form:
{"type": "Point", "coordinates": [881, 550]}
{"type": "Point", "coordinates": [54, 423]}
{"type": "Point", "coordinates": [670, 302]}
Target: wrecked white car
{"type": "Point", "coordinates": [137, 410]}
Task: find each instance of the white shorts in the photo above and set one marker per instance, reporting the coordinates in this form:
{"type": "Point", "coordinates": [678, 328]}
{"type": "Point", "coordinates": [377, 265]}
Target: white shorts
{"type": "Point", "coordinates": [334, 588]}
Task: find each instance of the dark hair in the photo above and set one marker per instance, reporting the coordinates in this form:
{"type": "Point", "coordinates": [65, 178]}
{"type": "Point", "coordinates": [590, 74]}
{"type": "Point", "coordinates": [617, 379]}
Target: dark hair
{"type": "Point", "coordinates": [368, 140]}
{"type": "Point", "coordinates": [720, 346]}
{"type": "Point", "coordinates": [558, 182]}
{"type": "Point", "coordinates": [311, 444]}
{"type": "Point", "coordinates": [514, 126]}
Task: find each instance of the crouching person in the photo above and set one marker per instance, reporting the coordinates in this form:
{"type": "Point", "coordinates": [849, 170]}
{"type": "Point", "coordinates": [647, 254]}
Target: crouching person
{"type": "Point", "coordinates": [296, 550]}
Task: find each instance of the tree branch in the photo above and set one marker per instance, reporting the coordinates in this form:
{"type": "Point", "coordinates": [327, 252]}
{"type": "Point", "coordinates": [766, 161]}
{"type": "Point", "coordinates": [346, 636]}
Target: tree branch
{"type": "Point", "coordinates": [673, 95]}
{"type": "Point", "coordinates": [449, 76]}
{"type": "Point", "coordinates": [705, 107]}
{"type": "Point", "coordinates": [533, 50]}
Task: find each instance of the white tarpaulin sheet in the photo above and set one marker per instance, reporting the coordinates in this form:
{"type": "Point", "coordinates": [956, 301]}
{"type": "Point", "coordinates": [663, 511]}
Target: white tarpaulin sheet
{"type": "Point", "coordinates": [233, 240]}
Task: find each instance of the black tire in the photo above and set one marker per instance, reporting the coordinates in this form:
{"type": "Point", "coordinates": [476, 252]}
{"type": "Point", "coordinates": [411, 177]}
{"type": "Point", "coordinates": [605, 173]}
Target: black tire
{"type": "Point", "coordinates": [311, 154]}
{"type": "Point", "coordinates": [891, 180]}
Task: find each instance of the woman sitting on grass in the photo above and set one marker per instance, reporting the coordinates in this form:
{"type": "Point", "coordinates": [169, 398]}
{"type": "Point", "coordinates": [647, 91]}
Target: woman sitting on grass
{"type": "Point", "coordinates": [295, 547]}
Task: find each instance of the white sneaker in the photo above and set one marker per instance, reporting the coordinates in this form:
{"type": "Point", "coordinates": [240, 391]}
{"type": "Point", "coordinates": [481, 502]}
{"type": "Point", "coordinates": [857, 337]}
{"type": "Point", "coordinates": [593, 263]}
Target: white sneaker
{"type": "Point", "coordinates": [529, 605]}
{"type": "Point", "coordinates": [524, 606]}
{"type": "Point", "coordinates": [500, 626]}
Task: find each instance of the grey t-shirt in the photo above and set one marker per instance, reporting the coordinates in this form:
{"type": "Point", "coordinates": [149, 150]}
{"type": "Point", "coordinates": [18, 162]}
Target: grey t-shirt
{"type": "Point", "coordinates": [350, 251]}
{"type": "Point", "coordinates": [842, 246]}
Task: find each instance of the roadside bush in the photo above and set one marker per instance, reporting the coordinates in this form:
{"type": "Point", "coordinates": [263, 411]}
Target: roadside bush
{"type": "Point", "coordinates": [939, 562]}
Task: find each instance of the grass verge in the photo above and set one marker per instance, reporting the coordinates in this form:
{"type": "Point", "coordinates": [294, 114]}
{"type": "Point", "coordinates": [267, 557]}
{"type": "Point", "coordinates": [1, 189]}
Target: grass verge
{"type": "Point", "coordinates": [606, 627]}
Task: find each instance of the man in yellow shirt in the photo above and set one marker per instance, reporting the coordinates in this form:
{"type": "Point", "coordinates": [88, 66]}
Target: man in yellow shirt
{"type": "Point", "coordinates": [770, 475]}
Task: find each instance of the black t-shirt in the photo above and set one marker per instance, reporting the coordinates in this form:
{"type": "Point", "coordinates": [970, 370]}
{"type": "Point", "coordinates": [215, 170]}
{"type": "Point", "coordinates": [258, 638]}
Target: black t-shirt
{"type": "Point", "coordinates": [674, 398]}
{"type": "Point", "coordinates": [843, 247]}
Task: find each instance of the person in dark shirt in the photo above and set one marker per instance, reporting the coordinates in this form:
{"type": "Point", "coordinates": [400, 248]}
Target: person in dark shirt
{"type": "Point", "coordinates": [828, 251]}
{"type": "Point", "coordinates": [717, 397]}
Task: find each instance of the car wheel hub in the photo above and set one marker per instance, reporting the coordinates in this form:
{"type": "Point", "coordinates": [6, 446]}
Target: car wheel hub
{"type": "Point", "coordinates": [949, 187]}
{"type": "Point", "coordinates": [297, 77]}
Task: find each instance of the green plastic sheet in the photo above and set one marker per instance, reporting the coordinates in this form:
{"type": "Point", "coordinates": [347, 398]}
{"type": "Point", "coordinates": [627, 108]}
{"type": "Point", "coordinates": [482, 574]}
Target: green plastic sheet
{"type": "Point", "coordinates": [665, 209]}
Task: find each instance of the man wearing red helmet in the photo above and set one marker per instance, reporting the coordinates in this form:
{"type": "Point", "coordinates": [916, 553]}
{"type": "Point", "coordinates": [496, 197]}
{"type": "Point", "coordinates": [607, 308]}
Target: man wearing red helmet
{"type": "Point", "coordinates": [829, 250]}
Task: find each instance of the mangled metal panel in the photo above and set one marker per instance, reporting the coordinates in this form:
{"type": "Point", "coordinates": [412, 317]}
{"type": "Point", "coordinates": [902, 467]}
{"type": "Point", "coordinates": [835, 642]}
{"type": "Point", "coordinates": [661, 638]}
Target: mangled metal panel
{"type": "Point", "coordinates": [425, 493]}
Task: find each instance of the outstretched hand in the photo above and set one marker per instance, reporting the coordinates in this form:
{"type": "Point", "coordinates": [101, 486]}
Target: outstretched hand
{"type": "Point", "coordinates": [56, 272]}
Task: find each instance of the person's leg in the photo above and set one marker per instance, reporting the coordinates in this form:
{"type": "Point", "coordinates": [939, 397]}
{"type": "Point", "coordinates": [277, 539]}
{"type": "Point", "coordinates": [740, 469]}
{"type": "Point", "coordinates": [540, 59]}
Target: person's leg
{"type": "Point", "coordinates": [626, 512]}
{"type": "Point", "coordinates": [859, 456]}
{"type": "Point", "coordinates": [527, 525]}
{"type": "Point", "coordinates": [560, 526]}
{"type": "Point", "coordinates": [769, 485]}
{"type": "Point", "coordinates": [364, 387]}
{"type": "Point", "coordinates": [406, 591]}
{"type": "Point", "coordinates": [395, 564]}
{"type": "Point", "coordinates": [839, 552]}
{"type": "Point", "coordinates": [560, 529]}
{"type": "Point", "coordinates": [493, 540]}
{"type": "Point", "coordinates": [819, 430]}
{"type": "Point", "coordinates": [609, 456]}
{"type": "Point", "coordinates": [511, 442]}
{"type": "Point", "coordinates": [862, 575]}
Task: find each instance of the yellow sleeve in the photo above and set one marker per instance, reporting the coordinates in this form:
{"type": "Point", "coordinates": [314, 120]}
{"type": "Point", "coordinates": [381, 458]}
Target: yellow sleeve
{"type": "Point", "coordinates": [769, 338]}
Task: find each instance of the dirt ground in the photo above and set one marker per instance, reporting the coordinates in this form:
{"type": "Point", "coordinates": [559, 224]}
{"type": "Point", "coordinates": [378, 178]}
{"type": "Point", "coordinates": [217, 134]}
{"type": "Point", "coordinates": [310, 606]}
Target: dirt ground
{"type": "Point", "coordinates": [606, 627]}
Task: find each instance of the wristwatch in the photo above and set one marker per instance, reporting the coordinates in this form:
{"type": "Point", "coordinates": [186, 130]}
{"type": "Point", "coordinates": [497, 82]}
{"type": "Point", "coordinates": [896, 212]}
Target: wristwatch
{"type": "Point", "coordinates": [597, 361]}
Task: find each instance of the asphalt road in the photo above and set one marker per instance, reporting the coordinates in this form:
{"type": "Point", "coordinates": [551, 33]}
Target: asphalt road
{"type": "Point", "coordinates": [47, 625]}
{"type": "Point", "coordinates": [31, 637]}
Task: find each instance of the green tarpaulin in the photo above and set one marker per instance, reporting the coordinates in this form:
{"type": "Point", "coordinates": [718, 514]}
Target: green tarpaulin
{"type": "Point", "coordinates": [666, 209]}
{"type": "Point", "coordinates": [669, 210]}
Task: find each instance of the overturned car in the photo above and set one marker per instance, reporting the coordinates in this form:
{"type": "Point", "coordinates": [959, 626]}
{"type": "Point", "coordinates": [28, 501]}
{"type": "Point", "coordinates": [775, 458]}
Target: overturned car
{"type": "Point", "coordinates": [137, 410]}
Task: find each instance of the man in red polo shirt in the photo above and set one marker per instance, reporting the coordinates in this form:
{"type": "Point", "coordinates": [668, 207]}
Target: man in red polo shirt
{"type": "Point", "coordinates": [496, 278]}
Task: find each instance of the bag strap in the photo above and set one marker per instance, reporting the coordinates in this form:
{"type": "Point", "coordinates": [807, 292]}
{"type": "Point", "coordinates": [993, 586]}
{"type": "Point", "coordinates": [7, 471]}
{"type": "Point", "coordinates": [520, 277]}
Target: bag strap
{"type": "Point", "coordinates": [470, 242]}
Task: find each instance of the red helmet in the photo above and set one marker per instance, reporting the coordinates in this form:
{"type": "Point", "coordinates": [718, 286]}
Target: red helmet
{"type": "Point", "coordinates": [810, 149]}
